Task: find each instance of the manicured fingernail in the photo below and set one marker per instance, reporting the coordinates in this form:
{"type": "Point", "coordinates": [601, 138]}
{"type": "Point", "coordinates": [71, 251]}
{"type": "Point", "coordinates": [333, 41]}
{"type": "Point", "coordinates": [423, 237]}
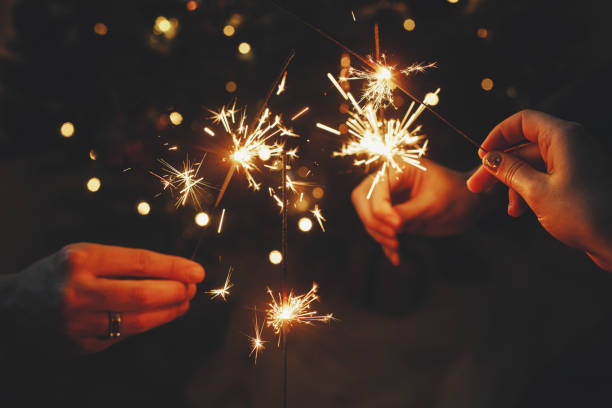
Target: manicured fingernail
{"type": "Point", "coordinates": [492, 160]}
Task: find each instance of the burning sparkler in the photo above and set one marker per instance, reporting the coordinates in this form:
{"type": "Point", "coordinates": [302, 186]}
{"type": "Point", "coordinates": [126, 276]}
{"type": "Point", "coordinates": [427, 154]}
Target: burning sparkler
{"type": "Point", "coordinates": [317, 214]}
{"type": "Point", "coordinates": [293, 310]}
{"type": "Point", "coordinates": [224, 291]}
{"type": "Point", "coordinates": [186, 181]}
{"type": "Point", "coordinates": [390, 143]}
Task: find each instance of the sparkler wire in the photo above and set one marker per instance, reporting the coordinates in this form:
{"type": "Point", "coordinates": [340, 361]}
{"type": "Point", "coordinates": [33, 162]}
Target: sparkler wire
{"type": "Point", "coordinates": [375, 66]}
{"type": "Point", "coordinates": [284, 266]}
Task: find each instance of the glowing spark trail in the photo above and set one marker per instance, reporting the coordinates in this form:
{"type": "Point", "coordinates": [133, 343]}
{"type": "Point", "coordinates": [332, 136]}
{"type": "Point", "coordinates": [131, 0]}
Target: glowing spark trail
{"type": "Point", "coordinates": [300, 113]}
{"type": "Point", "coordinates": [388, 143]}
{"type": "Point", "coordinates": [221, 221]}
{"type": "Point", "coordinates": [224, 291]}
{"type": "Point", "coordinates": [281, 86]}
{"type": "Point", "coordinates": [317, 214]}
{"type": "Point", "coordinates": [293, 310]}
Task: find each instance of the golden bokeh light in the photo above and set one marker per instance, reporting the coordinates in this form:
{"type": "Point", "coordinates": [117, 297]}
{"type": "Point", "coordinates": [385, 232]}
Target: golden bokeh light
{"type": "Point", "coordinates": [67, 129]}
{"type": "Point", "coordinates": [244, 48]}
{"type": "Point", "coordinates": [409, 24]}
{"type": "Point", "coordinates": [235, 19]}
{"type": "Point", "coordinates": [143, 208]}
{"type": "Point", "coordinates": [162, 24]}
{"type": "Point", "coordinates": [318, 193]}
{"type": "Point", "coordinates": [305, 224]}
{"type": "Point", "coordinates": [486, 84]}
{"type": "Point", "coordinates": [229, 30]}
{"type": "Point", "coordinates": [176, 118]}
{"type": "Point", "coordinates": [93, 155]}
{"type": "Point", "coordinates": [231, 86]}
{"type": "Point", "coordinates": [94, 184]}
{"type": "Point", "coordinates": [100, 29]}
{"type": "Point", "coordinates": [202, 219]}
{"type": "Point", "coordinates": [453, 1]}
{"type": "Point", "coordinates": [192, 5]}
{"type": "Point", "coordinates": [345, 61]}
{"type": "Point", "coordinates": [275, 257]}
{"type": "Point", "coordinates": [482, 32]}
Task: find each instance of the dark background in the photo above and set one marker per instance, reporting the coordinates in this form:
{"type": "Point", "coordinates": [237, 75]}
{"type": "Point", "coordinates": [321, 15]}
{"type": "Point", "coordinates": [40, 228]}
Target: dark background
{"type": "Point", "coordinates": [500, 316]}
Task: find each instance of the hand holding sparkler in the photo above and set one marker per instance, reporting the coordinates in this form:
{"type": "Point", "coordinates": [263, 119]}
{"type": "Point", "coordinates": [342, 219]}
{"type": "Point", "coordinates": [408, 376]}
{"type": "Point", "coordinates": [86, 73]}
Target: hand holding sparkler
{"type": "Point", "coordinates": [572, 198]}
{"type": "Point", "coordinates": [438, 204]}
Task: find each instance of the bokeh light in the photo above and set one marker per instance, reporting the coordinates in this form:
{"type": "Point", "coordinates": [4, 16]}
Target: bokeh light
{"type": "Point", "coordinates": [93, 155]}
{"type": "Point", "coordinates": [318, 193]}
{"type": "Point", "coordinates": [486, 84]}
{"type": "Point", "coordinates": [409, 24]}
{"type": "Point", "coordinates": [94, 184]}
{"type": "Point", "coordinates": [176, 118]}
{"type": "Point", "coordinates": [229, 30]}
{"type": "Point", "coordinates": [231, 86]}
{"type": "Point", "coordinates": [67, 129]}
{"type": "Point", "coordinates": [100, 29]}
{"type": "Point", "coordinates": [191, 5]}
{"type": "Point", "coordinates": [143, 208]}
{"type": "Point", "coordinates": [244, 48]}
{"type": "Point", "coordinates": [305, 224]}
{"type": "Point", "coordinates": [453, 1]}
{"type": "Point", "coordinates": [482, 32]}
{"type": "Point", "coordinates": [275, 257]}
{"type": "Point", "coordinates": [202, 219]}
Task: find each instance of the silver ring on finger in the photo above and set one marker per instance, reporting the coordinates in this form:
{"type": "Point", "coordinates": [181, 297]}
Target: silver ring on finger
{"type": "Point", "coordinates": [114, 325]}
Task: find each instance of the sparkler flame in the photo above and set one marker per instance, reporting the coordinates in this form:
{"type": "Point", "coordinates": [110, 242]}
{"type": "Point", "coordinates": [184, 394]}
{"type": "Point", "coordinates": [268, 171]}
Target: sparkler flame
{"type": "Point", "coordinates": [379, 86]}
{"type": "Point", "coordinates": [386, 142]}
{"type": "Point", "coordinates": [223, 292]}
{"type": "Point", "coordinates": [252, 145]}
{"type": "Point", "coordinates": [293, 310]}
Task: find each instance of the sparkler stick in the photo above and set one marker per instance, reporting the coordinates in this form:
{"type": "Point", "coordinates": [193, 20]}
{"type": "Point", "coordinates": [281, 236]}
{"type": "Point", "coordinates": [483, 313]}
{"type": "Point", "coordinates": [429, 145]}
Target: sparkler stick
{"type": "Point", "coordinates": [284, 267]}
{"type": "Point", "coordinates": [375, 66]}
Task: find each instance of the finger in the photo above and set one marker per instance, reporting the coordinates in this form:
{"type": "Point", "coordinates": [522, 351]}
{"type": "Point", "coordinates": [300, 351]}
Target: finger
{"type": "Point", "coordinates": [380, 204]}
{"type": "Point", "coordinates": [483, 180]}
{"type": "Point", "coordinates": [95, 324]}
{"type": "Point", "coordinates": [516, 204]}
{"type": "Point", "coordinates": [391, 243]}
{"type": "Point", "coordinates": [364, 211]}
{"type": "Point", "coordinates": [528, 125]}
{"type": "Point", "coordinates": [392, 256]}
{"type": "Point", "coordinates": [516, 174]}
{"type": "Point", "coordinates": [105, 260]}
{"type": "Point", "coordinates": [126, 295]}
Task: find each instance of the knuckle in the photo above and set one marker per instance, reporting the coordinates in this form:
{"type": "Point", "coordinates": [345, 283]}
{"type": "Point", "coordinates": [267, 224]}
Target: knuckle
{"type": "Point", "coordinates": [511, 172]}
{"type": "Point", "coordinates": [74, 256]}
{"type": "Point", "coordinates": [141, 297]}
{"type": "Point", "coordinates": [143, 259]}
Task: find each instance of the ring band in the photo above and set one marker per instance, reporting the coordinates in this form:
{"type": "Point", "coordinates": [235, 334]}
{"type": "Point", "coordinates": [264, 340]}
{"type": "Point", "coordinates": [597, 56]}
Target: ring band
{"type": "Point", "coordinates": [114, 325]}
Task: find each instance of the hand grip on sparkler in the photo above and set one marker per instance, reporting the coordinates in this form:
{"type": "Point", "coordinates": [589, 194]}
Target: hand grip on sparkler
{"type": "Point", "coordinates": [435, 202]}
{"type": "Point", "coordinates": [78, 286]}
{"type": "Point", "coordinates": [572, 197]}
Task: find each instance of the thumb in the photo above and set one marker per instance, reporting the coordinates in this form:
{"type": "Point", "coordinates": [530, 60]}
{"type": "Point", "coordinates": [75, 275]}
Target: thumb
{"type": "Point", "coordinates": [516, 174]}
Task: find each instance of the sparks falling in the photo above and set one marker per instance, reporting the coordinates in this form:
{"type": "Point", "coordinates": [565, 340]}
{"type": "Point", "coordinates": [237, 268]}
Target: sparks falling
{"type": "Point", "coordinates": [379, 85]}
{"type": "Point", "coordinates": [185, 181]}
{"type": "Point", "coordinates": [293, 310]}
{"type": "Point", "coordinates": [223, 292]}
{"type": "Point", "coordinates": [388, 143]}
{"type": "Point", "coordinates": [319, 216]}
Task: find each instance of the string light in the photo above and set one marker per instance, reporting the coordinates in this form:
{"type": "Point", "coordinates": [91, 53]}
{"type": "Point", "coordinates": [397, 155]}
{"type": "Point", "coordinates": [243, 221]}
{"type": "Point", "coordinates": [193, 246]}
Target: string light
{"type": "Point", "coordinates": [409, 24]}
{"type": "Point", "coordinates": [94, 184]}
{"type": "Point", "coordinates": [229, 30]}
{"type": "Point", "coordinates": [67, 129]}
{"type": "Point", "coordinates": [275, 257]}
{"type": "Point", "coordinates": [486, 84]}
{"type": "Point", "coordinates": [305, 224]}
{"type": "Point", "coordinates": [176, 118]}
{"type": "Point", "coordinates": [244, 48]}
{"type": "Point", "coordinates": [202, 219]}
{"type": "Point", "coordinates": [143, 208]}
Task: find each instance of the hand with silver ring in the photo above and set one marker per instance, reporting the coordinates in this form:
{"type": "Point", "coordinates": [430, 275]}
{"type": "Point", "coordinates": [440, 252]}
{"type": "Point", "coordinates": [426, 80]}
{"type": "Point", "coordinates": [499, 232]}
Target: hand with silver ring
{"type": "Point", "coordinates": [100, 294]}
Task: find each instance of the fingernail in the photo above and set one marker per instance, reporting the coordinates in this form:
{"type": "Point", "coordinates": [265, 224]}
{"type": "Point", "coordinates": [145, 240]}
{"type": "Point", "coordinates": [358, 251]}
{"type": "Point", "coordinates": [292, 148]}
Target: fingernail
{"type": "Point", "coordinates": [492, 160]}
{"type": "Point", "coordinates": [196, 273]}
{"type": "Point", "coordinates": [395, 259]}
